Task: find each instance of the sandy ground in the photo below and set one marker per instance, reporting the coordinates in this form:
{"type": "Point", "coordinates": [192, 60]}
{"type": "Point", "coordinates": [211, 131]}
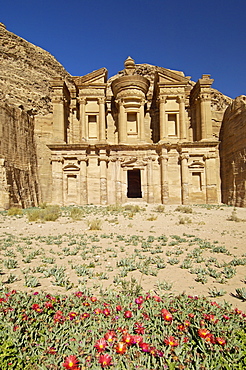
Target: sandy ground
{"type": "Point", "coordinates": [152, 245]}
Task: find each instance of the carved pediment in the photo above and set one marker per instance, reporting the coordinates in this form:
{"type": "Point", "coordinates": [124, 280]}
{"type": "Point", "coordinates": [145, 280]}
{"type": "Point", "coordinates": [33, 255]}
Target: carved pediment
{"type": "Point", "coordinates": [71, 167]}
{"type": "Point", "coordinates": [96, 77]}
{"type": "Point", "coordinates": [166, 76]}
{"type": "Point", "coordinates": [133, 162]}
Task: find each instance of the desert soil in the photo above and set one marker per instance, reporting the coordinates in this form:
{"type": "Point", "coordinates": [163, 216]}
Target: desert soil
{"type": "Point", "coordinates": [152, 244]}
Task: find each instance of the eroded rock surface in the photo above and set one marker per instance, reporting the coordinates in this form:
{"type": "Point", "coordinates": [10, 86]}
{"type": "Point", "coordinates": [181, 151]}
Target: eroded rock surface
{"type": "Point", "coordinates": [233, 153]}
{"type": "Point", "coordinates": [25, 73]}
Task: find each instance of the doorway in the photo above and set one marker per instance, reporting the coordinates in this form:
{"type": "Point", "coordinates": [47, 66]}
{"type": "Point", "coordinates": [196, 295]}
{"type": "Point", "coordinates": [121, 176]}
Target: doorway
{"type": "Point", "coordinates": [134, 184]}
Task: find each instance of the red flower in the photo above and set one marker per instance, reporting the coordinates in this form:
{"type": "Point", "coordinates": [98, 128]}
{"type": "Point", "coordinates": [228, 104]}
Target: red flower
{"type": "Point", "coordinates": [203, 333]}
{"type": "Point", "coordinates": [166, 315]}
{"type": "Point", "coordinates": [71, 362]}
{"type": "Point", "coordinates": [78, 294]}
{"type": "Point", "coordinates": [51, 351]}
{"type": "Point", "coordinates": [97, 311]}
{"type": "Point", "coordinates": [210, 338]}
{"type": "Point", "coordinates": [93, 299]}
{"type": "Point", "coordinates": [121, 348]}
{"type": "Point", "coordinates": [118, 308]}
{"type": "Point", "coordinates": [36, 307]}
{"type": "Point", "coordinates": [105, 360]}
{"type": "Point", "coordinates": [106, 312]}
{"type": "Point", "coordinates": [136, 339]}
{"type": "Point", "coordinates": [100, 345]}
{"type": "Point", "coordinates": [138, 328]}
{"type": "Point", "coordinates": [127, 338]}
{"type": "Point", "coordinates": [85, 315]}
{"type": "Point", "coordinates": [221, 341]}
{"type": "Point", "coordinates": [72, 315]}
{"type": "Point", "coordinates": [171, 341]}
{"type": "Point", "coordinates": [128, 314]}
{"type": "Point", "coordinates": [157, 298]}
{"type": "Point", "coordinates": [58, 317]}
{"type": "Point", "coordinates": [139, 300]}
{"type": "Point", "coordinates": [110, 336]}
{"type": "Point", "coordinates": [144, 346]}
{"type": "Point", "coordinates": [48, 305]}
{"type": "Point", "coordinates": [153, 351]}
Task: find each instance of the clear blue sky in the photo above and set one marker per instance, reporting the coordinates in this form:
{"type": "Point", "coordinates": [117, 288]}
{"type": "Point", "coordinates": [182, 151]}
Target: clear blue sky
{"type": "Point", "coordinates": [196, 36]}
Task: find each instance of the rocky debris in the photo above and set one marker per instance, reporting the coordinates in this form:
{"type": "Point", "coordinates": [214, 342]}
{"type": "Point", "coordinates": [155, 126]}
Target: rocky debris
{"type": "Point", "coordinates": [233, 153]}
{"type": "Point", "coordinates": [25, 73]}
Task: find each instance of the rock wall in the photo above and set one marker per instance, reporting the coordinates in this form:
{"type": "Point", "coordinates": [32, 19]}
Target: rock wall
{"type": "Point", "coordinates": [25, 74]}
{"type": "Point", "coordinates": [233, 153]}
{"type": "Point", "coordinates": [18, 164]}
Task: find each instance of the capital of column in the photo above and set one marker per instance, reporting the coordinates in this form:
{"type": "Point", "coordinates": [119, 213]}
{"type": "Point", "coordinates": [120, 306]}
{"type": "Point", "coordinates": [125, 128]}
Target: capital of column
{"type": "Point", "coordinates": [57, 159]}
{"type": "Point", "coordinates": [82, 159]}
{"type": "Point", "coordinates": [164, 157]}
{"type": "Point", "coordinates": [181, 99]}
{"type": "Point", "coordinates": [184, 156]}
{"type": "Point", "coordinates": [82, 100]}
{"type": "Point", "coordinates": [57, 99]}
{"type": "Point", "coordinates": [162, 98]}
{"type": "Point", "coordinates": [209, 156]}
{"type": "Point", "coordinates": [102, 100]}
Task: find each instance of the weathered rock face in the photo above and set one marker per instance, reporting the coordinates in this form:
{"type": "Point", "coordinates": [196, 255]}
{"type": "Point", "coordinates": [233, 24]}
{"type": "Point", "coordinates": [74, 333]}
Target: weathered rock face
{"type": "Point", "coordinates": [25, 73]}
{"type": "Point", "coordinates": [18, 164]}
{"type": "Point", "coordinates": [233, 153]}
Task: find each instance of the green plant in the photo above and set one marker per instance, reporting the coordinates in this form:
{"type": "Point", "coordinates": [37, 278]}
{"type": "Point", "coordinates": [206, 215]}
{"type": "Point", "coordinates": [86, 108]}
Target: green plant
{"type": "Point", "coordinates": [10, 263]}
{"type": "Point", "coordinates": [234, 216]}
{"type": "Point", "coordinates": [160, 208]}
{"type": "Point", "coordinates": [184, 209]}
{"type": "Point", "coordinates": [14, 211]}
{"type": "Point", "coordinates": [184, 220]}
{"type": "Point", "coordinates": [241, 293]}
{"type": "Point", "coordinates": [214, 292]}
{"type": "Point", "coordinates": [94, 224]}
{"type": "Point", "coordinates": [164, 285]}
{"type": "Point", "coordinates": [76, 213]}
{"type": "Point", "coordinates": [31, 281]}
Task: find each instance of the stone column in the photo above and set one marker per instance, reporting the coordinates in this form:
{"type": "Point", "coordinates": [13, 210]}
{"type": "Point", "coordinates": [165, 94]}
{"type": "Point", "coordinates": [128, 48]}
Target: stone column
{"type": "Point", "coordinates": [122, 123]}
{"type": "Point", "coordinates": [211, 178]}
{"type": "Point", "coordinates": [83, 124]}
{"type": "Point", "coordinates": [141, 125]}
{"type": "Point", "coordinates": [150, 192]}
{"type": "Point", "coordinates": [184, 178]}
{"type": "Point", "coordinates": [206, 121]}
{"type": "Point", "coordinates": [103, 178]}
{"type": "Point", "coordinates": [102, 126]}
{"type": "Point", "coordinates": [57, 181]}
{"type": "Point", "coordinates": [164, 176]}
{"type": "Point", "coordinates": [163, 123]}
{"type": "Point", "coordinates": [118, 184]}
{"type": "Point", "coordinates": [83, 180]}
{"type": "Point", "coordinates": [182, 122]}
{"type": "Point", "coordinates": [4, 187]}
{"type": "Point", "coordinates": [58, 119]}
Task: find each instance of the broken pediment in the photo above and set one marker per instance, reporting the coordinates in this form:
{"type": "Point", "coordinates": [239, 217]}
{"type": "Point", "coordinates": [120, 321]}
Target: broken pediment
{"type": "Point", "coordinates": [166, 76]}
{"type": "Point", "coordinates": [96, 77]}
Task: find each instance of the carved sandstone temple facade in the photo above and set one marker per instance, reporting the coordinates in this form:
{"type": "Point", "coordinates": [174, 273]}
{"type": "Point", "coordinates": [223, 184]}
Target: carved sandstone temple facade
{"type": "Point", "coordinates": [146, 133]}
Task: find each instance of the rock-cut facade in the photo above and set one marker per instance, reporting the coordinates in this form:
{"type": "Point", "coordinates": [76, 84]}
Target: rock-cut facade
{"type": "Point", "coordinates": [146, 134]}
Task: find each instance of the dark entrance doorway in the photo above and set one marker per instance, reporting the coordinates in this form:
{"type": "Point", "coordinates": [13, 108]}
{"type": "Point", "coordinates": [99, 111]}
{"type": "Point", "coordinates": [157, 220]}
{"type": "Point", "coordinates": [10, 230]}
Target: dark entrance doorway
{"type": "Point", "coordinates": [134, 184]}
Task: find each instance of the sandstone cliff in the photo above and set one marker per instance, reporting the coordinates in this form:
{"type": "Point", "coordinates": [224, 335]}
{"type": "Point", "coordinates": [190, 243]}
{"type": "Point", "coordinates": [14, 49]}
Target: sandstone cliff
{"type": "Point", "coordinates": [233, 153]}
{"type": "Point", "coordinates": [25, 74]}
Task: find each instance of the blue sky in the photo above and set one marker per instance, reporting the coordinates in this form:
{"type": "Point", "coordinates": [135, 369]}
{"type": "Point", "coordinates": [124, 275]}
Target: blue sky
{"type": "Point", "coordinates": [196, 36]}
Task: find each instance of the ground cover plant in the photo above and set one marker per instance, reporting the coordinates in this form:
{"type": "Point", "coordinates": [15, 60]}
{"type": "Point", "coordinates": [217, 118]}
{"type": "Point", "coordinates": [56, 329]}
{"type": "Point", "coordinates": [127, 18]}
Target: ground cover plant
{"type": "Point", "coordinates": [120, 331]}
{"type": "Point", "coordinates": [134, 251]}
